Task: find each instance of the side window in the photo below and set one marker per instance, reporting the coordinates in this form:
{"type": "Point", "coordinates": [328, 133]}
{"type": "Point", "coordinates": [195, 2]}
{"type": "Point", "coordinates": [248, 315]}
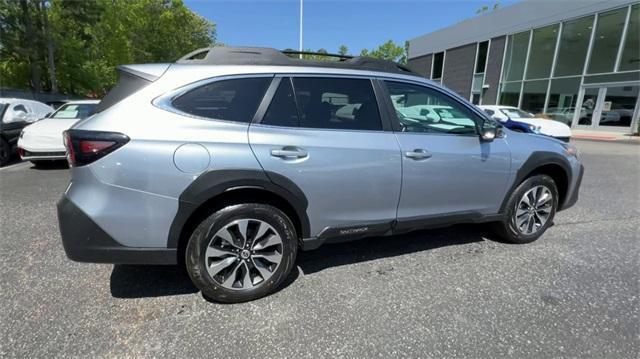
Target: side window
{"type": "Point", "coordinates": [20, 108]}
{"type": "Point", "coordinates": [421, 109]}
{"type": "Point", "coordinates": [229, 100]}
{"type": "Point", "coordinates": [337, 103]}
{"type": "Point", "coordinates": [282, 109]}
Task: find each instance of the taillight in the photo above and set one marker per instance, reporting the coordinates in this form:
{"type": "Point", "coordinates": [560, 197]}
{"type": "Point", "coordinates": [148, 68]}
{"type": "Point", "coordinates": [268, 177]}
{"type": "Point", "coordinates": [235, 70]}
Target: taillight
{"type": "Point", "coordinates": [84, 147]}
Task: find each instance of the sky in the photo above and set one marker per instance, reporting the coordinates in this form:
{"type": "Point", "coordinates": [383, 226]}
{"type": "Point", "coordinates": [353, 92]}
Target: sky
{"type": "Point", "coordinates": [328, 24]}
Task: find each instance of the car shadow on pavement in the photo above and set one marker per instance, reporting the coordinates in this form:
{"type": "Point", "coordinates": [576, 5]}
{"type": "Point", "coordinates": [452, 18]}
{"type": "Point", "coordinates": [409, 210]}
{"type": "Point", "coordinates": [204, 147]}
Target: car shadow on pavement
{"type": "Point", "coordinates": [338, 254]}
{"type": "Point", "coordinates": [131, 281]}
{"type": "Point", "coordinates": [141, 281]}
{"type": "Point", "coordinates": [50, 165]}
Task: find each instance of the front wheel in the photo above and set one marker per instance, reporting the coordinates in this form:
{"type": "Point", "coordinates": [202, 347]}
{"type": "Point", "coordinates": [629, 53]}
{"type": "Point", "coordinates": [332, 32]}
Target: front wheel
{"type": "Point", "coordinates": [530, 210]}
{"type": "Point", "coordinates": [241, 252]}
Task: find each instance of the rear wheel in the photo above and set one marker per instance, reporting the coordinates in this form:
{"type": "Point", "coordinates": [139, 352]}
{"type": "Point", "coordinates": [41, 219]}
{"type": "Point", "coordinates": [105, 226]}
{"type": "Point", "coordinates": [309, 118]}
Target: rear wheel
{"type": "Point", "coordinates": [241, 252]}
{"type": "Point", "coordinates": [530, 210]}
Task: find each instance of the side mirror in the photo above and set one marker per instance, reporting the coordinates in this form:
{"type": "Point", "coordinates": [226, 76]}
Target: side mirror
{"type": "Point", "coordinates": [489, 134]}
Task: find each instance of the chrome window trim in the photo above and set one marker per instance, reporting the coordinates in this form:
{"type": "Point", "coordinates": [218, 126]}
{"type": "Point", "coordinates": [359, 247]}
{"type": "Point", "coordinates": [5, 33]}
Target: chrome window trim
{"type": "Point", "coordinates": [165, 101]}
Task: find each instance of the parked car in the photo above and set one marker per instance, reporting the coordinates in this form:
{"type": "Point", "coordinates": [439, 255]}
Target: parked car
{"type": "Point", "coordinates": [231, 169]}
{"type": "Point", "coordinates": [42, 141]}
{"type": "Point", "coordinates": [15, 114]}
{"type": "Point", "coordinates": [515, 125]}
{"type": "Point", "coordinates": [545, 126]}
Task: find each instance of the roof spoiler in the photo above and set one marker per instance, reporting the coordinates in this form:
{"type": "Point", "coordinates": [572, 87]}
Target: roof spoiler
{"type": "Point", "coordinates": [149, 72]}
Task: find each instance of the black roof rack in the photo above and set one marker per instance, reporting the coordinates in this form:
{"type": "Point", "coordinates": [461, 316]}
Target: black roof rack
{"type": "Point", "coordinates": [223, 55]}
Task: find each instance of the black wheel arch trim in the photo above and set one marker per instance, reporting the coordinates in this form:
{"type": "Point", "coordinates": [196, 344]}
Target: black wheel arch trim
{"type": "Point", "coordinates": [216, 182]}
{"type": "Point", "coordinates": [536, 160]}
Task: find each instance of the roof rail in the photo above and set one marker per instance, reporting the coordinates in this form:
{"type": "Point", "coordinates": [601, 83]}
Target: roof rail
{"type": "Point", "coordinates": [223, 55]}
{"type": "Point", "coordinates": [325, 54]}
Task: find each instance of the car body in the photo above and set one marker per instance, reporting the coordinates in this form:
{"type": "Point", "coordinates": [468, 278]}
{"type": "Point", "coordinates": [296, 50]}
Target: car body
{"type": "Point", "coordinates": [547, 127]}
{"type": "Point", "coordinates": [43, 141]}
{"type": "Point", "coordinates": [232, 160]}
{"type": "Point", "coordinates": [15, 114]}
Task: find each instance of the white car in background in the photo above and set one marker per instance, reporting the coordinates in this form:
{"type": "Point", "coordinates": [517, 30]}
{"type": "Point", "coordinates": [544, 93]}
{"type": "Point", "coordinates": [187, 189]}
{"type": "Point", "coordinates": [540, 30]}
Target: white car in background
{"type": "Point", "coordinates": [43, 141]}
{"type": "Point", "coordinates": [545, 126]}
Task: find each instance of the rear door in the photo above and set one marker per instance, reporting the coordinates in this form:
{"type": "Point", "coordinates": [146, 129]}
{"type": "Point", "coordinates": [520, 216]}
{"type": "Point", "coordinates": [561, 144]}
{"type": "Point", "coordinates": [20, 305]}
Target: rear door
{"type": "Point", "coordinates": [447, 169]}
{"type": "Point", "coordinates": [327, 135]}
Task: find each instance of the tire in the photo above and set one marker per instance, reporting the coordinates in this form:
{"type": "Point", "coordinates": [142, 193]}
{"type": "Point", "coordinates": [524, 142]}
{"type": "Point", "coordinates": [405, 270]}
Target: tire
{"type": "Point", "coordinates": [218, 259]}
{"type": "Point", "coordinates": [536, 219]}
{"type": "Point", "coordinates": [5, 152]}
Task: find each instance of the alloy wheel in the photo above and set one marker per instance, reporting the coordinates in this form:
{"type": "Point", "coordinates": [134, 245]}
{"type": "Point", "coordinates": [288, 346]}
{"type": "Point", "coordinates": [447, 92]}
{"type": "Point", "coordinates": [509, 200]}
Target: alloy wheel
{"type": "Point", "coordinates": [243, 254]}
{"type": "Point", "coordinates": [533, 210]}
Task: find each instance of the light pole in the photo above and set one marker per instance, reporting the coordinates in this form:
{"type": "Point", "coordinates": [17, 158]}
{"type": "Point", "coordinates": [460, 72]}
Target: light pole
{"type": "Point", "coordinates": [300, 43]}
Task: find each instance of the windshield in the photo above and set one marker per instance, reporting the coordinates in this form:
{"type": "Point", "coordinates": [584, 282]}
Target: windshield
{"type": "Point", "coordinates": [515, 113]}
{"type": "Point", "coordinates": [74, 111]}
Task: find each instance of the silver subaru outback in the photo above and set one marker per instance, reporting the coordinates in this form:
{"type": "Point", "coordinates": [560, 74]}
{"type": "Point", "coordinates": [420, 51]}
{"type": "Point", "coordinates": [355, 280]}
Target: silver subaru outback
{"type": "Point", "coordinates": [232, 159]}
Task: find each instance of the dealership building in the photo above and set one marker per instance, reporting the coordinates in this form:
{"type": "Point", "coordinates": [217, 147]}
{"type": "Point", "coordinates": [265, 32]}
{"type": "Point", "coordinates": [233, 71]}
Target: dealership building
{"type": "Point", "coordinates": [574, 61]}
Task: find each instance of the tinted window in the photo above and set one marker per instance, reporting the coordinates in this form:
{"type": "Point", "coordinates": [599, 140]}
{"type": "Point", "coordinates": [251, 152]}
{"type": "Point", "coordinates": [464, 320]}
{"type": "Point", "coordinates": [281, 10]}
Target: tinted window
{"type": "Point", "coordinates": [438, 62]}
{"type": "Point", "coordinates": [229, 100]}
{"type": "Point", "coordinates": [18, 108]}
{"type": "Point", "coordinates": [282, 110]}
{"type": "Point", "coordinates": [337, 103]}
{"type": "Point", "coordinates": [515, 56]}
{"type": "Point", "coordinates": [606, 41]}
{"type": "Point", "coordinates": [543, 45]}
{"type": "Point", "coordinates": [482, 57]}
{"type": "Point", "coordinates": [421, 109]}
{"type": "Point", "coordinates": [574, 43]}
{"type": "Point", "coordinates": [126, 86]}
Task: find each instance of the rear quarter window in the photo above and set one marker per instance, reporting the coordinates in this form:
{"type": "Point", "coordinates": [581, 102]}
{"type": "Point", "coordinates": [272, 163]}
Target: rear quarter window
{"type": "Point", "coordinates": [228, 100]}
{"type": "Point", "coordinates": [126, 86]}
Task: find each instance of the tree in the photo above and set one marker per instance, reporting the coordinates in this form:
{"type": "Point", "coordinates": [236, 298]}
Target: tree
{"type": "Point", "coordinates": [485, 8]}
{"type": "Point", "coordinates": [388, 51]}
{"type": "Point", "coordinates": [78, 44]}
{"type": "Point", "coordinates": [343, 50]}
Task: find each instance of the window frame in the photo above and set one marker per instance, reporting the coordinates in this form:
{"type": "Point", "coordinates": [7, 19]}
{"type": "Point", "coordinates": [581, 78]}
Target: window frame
{"type": "Point", "coordinates": [391, 112]}
{"type": "Point", "coordinates": [165, 101]}
{"type": "Point", "coordinates": [271, 91]}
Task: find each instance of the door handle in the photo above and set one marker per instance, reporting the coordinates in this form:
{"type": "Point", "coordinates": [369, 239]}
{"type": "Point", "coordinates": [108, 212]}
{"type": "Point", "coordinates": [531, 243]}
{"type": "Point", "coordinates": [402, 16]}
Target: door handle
{"type": "Point", "coordinates": [289, 152]}
{"type": "Point", "coordinates": [418, 154]}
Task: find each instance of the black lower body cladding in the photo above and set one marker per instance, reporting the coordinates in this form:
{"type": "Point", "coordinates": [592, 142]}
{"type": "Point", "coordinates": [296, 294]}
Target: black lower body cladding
{"type": "Point", "coordinates": [85, 241]}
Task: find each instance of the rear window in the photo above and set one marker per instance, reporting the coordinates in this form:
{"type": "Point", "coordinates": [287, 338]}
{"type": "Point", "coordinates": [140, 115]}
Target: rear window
{"type": "Point", "coordinates": [229, 100]}
{"type": "Point", "coordinates": [126, 86]}
{"type": "Point", "coordinates": [71, 111]}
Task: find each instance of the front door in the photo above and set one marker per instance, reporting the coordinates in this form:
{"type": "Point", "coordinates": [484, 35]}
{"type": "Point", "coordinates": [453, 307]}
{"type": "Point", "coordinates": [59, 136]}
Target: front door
{"type": "Point", "coordinates": [609, 108]}
{"type": "Point", "coordinates": [446, 169]}
{"type": "Point", "coordinates": [326, 135]}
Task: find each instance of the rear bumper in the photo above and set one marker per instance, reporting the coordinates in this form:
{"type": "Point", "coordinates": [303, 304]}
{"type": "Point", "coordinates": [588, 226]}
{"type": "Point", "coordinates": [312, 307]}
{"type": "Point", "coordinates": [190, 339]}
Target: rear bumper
{"type": "Point", "coordinates": [84, 241]}
{"type": "Point", "coordinates": [41, 155]}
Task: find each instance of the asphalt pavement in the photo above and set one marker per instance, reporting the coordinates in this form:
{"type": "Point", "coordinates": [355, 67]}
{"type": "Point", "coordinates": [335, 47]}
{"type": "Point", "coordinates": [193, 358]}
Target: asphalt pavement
{"type": "Point", "coordinates": [451, 292]}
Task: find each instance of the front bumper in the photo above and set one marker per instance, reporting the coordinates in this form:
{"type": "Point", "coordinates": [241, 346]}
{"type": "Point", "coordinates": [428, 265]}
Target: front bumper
{"type": "Point", "coordinates": [84, 241]}
{"type": "Point", "coordinates": [572, 196]}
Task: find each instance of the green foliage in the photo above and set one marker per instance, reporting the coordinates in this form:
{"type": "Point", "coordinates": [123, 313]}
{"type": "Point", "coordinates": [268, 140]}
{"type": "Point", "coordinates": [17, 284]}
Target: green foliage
{"type": "Point", "coordinates": [485, 8]}
{"type": "Point", "coordinates": [388, 51]}
{"type": "Point", "coordinates": [343, 50]}
{"type": "Point", "coordinates": [90, 38]}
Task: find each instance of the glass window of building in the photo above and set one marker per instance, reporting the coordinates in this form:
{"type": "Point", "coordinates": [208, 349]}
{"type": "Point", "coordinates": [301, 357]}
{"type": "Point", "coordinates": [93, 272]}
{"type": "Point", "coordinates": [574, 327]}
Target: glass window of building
{"type": "Point", "coordinates": [630, 59]}
{"type": "Point", "coordinates": [438, 62]}
{"type": "Point", "coordinates": [606, 41]}
{"type": "Point", "coordinates": [533, 95]}
{"type": "Point", "coordinates": [481, 59]}
{"type": "Point", "coordinates": [543, 46]}
{"type": "Point", "coordinates": [562, 99]}
{"type": "Point", "coordinates": [574, 44]}
{"type": "Point", "coordinates": [510, 94]}
{"type": "Point", "coordinates": [515, 56]}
